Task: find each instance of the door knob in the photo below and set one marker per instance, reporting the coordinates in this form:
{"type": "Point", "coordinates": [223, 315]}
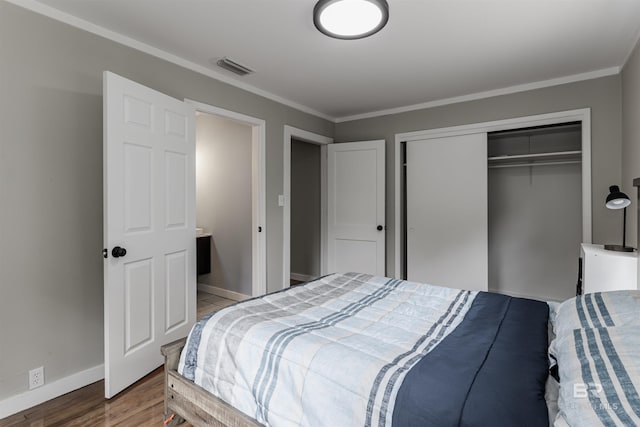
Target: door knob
{"type": "Point", "coordinates": [379, 228]}
{"type": "Point", "coordinates": [118, 252]}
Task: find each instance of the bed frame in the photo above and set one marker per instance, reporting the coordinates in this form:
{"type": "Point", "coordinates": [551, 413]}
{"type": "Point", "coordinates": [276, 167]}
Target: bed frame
{"type": "Point", "coordinates": [184, 400]}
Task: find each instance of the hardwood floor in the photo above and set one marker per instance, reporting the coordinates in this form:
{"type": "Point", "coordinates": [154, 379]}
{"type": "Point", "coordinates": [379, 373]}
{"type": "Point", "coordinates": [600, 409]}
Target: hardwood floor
{"type": "Point", "coordinates": [139, 405]}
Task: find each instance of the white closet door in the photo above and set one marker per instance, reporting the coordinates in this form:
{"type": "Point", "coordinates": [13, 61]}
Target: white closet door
{"type": "Point", "coordinates": [447, 211]}
{"type": "Point", "coordinates": [355, 207]}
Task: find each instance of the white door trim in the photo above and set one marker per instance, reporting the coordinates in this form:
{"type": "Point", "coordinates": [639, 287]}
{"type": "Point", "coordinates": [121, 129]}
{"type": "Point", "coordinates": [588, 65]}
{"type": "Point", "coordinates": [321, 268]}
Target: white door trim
{"type": "Point", "coordinates": [322, 141]}
{"type": "Point", "coordinates": [582, 115]}
{"type": "Point", "coordinates": [258, 193]}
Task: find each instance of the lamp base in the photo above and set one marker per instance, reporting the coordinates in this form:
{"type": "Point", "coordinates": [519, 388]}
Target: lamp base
{"type": "Point", "coordinates": [619, 248]}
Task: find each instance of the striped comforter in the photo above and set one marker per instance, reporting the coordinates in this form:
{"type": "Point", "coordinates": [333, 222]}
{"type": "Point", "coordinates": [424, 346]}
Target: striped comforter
{"type": "Point", "coordinates": [312, 355]}
{"type": "Point", "coordinates": [597, 348]}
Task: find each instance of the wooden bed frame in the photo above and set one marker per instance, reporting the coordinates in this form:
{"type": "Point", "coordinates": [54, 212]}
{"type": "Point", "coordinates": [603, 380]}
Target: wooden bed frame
{"type": "Point", "coordinates": [184, 400]}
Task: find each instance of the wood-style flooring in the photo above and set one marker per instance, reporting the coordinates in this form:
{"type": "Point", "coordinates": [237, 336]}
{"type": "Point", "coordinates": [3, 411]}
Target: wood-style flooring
{"type": "Point", "coordinates": [140, 405]}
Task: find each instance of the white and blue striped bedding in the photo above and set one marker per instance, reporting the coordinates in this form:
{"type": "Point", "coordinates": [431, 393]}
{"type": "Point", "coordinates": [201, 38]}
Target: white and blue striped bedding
{"type": "Point", "coordinates": [597, 348]}
{"type": "Point", "coordinates": [291, 358]}
{"type": "Point", "coordinates": [600, 309]}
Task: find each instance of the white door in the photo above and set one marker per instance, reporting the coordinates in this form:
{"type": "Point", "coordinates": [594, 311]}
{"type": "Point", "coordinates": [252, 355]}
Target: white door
{"type": "Point", "coordinates": [447, 243]}
{"type": "Point", "coordinates": [149, 212]}
{"type": "Point", "coordinates": [355, 205]}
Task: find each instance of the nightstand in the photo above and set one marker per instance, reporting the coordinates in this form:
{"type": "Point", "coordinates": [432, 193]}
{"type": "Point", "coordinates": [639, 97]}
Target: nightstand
{"type": "Point", "coordinates": [603, 270]}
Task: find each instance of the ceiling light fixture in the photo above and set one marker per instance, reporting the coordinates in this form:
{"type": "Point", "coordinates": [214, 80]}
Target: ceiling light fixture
{"type": "Point", "coordinates": [350, 19]}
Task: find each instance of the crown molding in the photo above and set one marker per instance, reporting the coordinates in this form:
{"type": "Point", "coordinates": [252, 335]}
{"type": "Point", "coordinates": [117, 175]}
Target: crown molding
{"type": "Point", "coordinates": [486, 94]}
{"type": "Point", "coordinates": [82, 24]}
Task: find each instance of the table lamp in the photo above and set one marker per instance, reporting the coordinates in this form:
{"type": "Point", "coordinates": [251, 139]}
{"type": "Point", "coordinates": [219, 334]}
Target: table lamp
{"type": "Point", "coordinates": [618, 200]}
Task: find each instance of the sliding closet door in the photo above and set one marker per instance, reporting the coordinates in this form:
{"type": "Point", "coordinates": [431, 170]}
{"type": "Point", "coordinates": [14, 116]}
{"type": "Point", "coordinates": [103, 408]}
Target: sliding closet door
{"type": "Point", "coordinates": [447, 211]}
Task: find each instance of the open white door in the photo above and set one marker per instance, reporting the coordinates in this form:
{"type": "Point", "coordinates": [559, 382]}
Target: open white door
{"type": "Point", "coordinates": [355, 205]}
{"type": "Point", "coordinates": [149, 227]}
{"type": "Point", "coordinates": [447, 237]}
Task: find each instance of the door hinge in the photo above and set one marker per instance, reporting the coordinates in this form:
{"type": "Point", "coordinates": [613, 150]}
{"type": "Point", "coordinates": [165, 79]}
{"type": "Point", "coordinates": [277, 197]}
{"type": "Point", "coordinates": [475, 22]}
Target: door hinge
{"type": "Point", "coordinates": [105, 253]}
{"type": "Point", "coordinates": [259, 229]}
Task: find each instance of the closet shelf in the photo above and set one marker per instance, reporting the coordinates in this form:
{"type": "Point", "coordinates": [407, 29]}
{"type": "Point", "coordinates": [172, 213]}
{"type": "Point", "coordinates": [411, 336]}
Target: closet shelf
{"type": "Point", "coordinates": [533, 159]}
{"type": "Point", "coordinates": [523, 164]}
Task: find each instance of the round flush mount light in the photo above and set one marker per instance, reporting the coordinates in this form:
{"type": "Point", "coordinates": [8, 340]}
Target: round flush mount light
{"type": "Point", "coordinates": [350, 19]}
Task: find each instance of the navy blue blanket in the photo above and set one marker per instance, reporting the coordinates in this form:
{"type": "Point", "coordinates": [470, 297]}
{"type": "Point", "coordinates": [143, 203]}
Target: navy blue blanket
{"type": "Point", "coordinates": [490, 371]}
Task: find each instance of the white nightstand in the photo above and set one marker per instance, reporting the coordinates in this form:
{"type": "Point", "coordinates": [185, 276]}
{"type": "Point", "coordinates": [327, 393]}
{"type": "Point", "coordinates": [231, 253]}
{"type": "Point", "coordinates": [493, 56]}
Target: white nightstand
{"type": "Point", "coordinates": [604, 270]}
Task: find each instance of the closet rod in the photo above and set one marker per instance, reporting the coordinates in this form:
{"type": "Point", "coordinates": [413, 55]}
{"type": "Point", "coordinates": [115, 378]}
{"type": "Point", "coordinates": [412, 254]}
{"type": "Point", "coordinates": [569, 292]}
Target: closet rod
{"type": "Point", "coordinates": [537, 155]}
{"type": "Point", "coordinates": [520, 165]}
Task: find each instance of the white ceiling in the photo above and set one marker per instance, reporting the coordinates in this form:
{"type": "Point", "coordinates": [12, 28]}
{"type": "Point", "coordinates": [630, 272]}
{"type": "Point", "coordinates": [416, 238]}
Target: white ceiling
{"type": "Point", "coordinates": [429, 51]}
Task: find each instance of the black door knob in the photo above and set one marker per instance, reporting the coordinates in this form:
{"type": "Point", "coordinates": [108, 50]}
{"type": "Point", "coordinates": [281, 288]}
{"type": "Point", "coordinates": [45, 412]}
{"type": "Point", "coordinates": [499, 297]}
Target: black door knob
{"type": "Point", "coordinates": [117, 252]}
{"type": "Point", "coordinates": [379, 228]}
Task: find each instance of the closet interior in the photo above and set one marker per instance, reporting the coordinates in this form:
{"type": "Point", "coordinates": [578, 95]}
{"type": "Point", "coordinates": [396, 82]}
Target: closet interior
{"type": "Point", "coordinates": [498, 211]}
{"type": "Point", "coordinates": [535, 210]}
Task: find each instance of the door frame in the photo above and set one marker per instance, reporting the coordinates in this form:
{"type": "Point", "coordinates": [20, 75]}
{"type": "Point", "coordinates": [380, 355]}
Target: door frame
{"type": "Point", "coordinates": [316, 139]}
{"type": "Point", "coordinates": [582, 115]}
{"type": "Point", "coordinates": [258, 189]}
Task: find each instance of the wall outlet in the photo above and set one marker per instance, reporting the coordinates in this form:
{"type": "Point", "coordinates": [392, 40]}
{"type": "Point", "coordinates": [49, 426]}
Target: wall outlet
{"type": "Point", "coordinates": [36, 377]}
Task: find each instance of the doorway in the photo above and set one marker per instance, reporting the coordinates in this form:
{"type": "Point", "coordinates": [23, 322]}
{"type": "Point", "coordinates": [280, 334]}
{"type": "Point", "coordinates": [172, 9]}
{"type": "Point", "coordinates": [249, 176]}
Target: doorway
{"type": "Point", "coordinates": [230, 203]}
{"type": "Point", "coordinates": [305, 211]}
{"type": "Point", "coordinates": [150, 223]}
{"type": "Point", "coordinates": [303, 140]}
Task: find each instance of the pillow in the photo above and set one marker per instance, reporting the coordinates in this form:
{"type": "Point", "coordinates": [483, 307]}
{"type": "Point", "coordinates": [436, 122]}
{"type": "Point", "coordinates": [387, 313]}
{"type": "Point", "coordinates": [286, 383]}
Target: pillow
{"type": "Point", "coordinates": [599, 376]}
{"type": "Point", "coordinates": [600, 309]}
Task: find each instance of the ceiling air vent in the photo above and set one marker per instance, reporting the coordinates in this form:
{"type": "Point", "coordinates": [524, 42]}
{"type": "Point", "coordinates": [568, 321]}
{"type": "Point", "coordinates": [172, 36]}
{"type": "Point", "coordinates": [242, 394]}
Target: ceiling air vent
{"type": "Point", "coordinates": [233, 66]}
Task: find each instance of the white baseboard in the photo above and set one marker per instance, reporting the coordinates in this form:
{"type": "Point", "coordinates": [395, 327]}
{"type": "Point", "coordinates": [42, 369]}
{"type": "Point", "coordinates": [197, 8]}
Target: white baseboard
{"type": "Point", "coordinates": [301, 277]}
{"type": "Point", "coordinates": [224, 293]}
{"type": "Point", "coordinates": [31, 398]}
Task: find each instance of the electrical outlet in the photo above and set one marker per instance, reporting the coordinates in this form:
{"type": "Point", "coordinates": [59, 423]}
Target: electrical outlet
{"type": "Point", "coordinates": [36, 378]}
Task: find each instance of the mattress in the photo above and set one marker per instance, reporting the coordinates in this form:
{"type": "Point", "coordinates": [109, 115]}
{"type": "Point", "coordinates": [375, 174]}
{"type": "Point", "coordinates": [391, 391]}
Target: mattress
{"type": "Point", "coordinates": [355, 349]}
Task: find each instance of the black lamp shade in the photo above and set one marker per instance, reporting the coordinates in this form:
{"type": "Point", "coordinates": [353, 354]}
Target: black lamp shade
{"type": "Point", "coordinates": [617, 199]}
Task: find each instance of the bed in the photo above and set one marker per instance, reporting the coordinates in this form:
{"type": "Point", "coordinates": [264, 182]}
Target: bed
{"type": "Point", "coordinates": [354, 349]}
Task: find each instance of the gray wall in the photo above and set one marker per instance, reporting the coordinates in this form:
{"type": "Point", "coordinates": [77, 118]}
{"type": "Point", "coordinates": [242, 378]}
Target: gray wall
{"type": "Point", "coordinates": [601, 95]}
{"type": "Point", "coordinates": [305, 208]}
{"type": "Point", "coordinates": [51, 185]}
{"type": "Point", "coordinates": [535, 231]}
{"type": "Point", "coordinates": [223, 200]}
{"type": "Point", "coordinates": [631, 139]}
